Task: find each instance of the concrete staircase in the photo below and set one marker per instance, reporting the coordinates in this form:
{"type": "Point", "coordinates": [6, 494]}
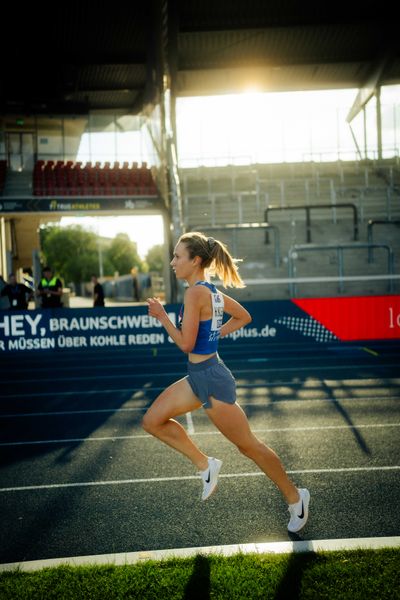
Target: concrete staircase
{"type": "Point", "coordinates": [18, 183]}
{"type": "Point", "coordinates": [215, 197]}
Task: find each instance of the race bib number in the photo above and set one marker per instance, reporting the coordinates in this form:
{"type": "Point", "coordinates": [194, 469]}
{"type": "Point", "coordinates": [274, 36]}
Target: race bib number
{"type": "Point", "coordinates": [217, 311]}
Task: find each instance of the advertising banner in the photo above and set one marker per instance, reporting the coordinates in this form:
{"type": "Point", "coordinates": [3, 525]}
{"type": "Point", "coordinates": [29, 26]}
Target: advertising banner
{"type": "Point", "coordinates": [313, 320]}
{"type": "Point", "coordinates": [356, 318]}
{"type": "Point", "coordinates": [96, 204]}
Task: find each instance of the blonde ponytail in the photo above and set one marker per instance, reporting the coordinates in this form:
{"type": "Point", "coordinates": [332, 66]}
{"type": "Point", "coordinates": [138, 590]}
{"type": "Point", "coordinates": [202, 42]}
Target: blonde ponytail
{"type": "Point", "coordinates": [215, 257]}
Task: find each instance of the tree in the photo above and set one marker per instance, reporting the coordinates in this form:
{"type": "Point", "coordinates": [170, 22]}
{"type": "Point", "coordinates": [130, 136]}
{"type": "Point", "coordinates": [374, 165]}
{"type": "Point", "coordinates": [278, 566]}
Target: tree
{"type": "Point", "coordinates": [155, 258]}
{"type": "Point", "coordinates": [123, 254]}
{"type": "Point", "coordinates": [71, 252]}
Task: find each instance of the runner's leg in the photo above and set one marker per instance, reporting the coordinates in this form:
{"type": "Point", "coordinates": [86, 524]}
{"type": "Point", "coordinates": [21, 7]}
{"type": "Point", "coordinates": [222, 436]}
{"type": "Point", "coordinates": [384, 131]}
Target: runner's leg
{"type": "Point", "coordinates": [176, 400]}
{"type": "Point", "coordinates": [233, 424]}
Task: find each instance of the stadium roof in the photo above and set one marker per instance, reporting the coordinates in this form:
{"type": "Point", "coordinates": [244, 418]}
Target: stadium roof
{"type": "Point", "coordinates": [74, 57]}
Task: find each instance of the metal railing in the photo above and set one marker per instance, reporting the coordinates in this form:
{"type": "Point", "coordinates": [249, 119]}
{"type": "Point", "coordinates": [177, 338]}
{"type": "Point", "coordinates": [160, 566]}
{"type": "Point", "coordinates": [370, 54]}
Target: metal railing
{"type": "Point", "coordinates": [339, 249]}
{"type": "Point", "coordinates": [308, 209]}
{"type": "Point", "coordinates": [303, 185]}
{"type": "Point", "coordinates": [237, 197]}
{"type": "Point", "coordinates": [362, 192]}
{"type": "Point", "coordinates": [370, 225]}
{"type": "Point", "coordinates": [247, 226]}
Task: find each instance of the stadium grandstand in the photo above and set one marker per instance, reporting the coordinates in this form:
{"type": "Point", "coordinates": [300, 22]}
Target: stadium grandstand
{"type": "Point", "coordinates": [277, 215]}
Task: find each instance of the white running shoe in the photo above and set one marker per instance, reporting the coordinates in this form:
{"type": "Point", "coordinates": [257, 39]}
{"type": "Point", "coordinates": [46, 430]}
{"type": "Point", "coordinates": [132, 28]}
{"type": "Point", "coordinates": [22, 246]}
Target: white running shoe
{"type": "Point", "coordinates": [299, 511]}
{"type": "Point", "coordinates": [210, 477]}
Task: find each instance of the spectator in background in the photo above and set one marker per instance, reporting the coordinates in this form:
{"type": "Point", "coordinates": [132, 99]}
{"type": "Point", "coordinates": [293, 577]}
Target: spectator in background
{"type": "Point", "coordinates": [3, 300]}
{"type": "Point", "coordinates": [18, 294]}
{"type": "Point", "coordinates": [135, 282]}
{"type": "Point", "coordinates": [50, 289]}
{"type": "Point", "coordinates": [27, 278]}
{"type": "Point", "coordinates": [98, 292]}
{"type": "Point", "coordinates": [147, 291]}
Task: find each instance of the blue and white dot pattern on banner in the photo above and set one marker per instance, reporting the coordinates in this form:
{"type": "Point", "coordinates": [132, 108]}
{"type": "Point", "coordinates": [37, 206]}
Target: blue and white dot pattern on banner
{"type": "Point", "coordinates": [308, 327]}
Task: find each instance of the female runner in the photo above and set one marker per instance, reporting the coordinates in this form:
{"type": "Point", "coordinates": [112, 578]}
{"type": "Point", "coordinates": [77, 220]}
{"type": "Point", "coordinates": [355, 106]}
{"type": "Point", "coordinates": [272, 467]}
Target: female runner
{"type": "Point", "coordinates": [209, 383]}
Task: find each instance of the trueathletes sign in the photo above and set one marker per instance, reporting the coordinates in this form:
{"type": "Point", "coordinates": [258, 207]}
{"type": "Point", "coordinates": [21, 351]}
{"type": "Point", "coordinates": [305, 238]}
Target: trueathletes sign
{"type": "Point", "coordinates": [126, 204]}
{"type": "Point", "coordinates": [315, 320]}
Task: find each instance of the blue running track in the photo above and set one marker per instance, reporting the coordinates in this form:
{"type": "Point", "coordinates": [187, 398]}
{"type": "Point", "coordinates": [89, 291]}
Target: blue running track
{"type": "Point", "coordinates": [80, 477]}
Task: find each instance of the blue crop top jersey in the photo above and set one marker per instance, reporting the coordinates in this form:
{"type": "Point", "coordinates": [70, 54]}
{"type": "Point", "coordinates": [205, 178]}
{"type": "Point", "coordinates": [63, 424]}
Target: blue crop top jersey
{"type": "Point", "coordinates": [209, 330]}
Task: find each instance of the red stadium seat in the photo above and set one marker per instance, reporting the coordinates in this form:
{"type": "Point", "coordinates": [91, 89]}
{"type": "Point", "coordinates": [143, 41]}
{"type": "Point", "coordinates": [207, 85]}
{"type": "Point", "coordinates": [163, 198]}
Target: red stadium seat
{"type": "Point", "coordinates": [77, 179]}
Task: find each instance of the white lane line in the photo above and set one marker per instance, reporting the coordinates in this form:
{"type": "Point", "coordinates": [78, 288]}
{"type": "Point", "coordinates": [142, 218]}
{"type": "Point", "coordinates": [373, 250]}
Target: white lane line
{"type": "Point", "coordinates": [212, 432]}
{"type": "Point", "coordinates": [189, 423]}
{"type": "Point", "coordinates": [351, 399]}
{"type": "Point", "coordinates": [354, 352]}
{"type": "Point", "coordinates": [133, 390]}
{"type": "Point", "coordinates": [80, 440]}
{"type": "Point", "coordinates": [316, 368]}
{"type": "Point", "coordinates": [50, 486]}
{"type": "Point", "coordinates": [57, 413]}
{"type": "Point", "coordinates": [98, 377]}
{"type": "Point", "coordinates": [129, 558]}
{"type": "Point", "coordinates": [236, 371]}
{"type": "Point", "coordinates": [310, 428]}
{"type": "Point", "coordinates": [266, 404]}
{"type": "Point", "coordinates": [296, 384]}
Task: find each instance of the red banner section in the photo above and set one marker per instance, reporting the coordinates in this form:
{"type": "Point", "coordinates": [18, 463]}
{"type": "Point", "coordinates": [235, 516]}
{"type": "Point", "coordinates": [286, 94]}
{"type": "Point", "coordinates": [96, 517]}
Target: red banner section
{"type": "Point", "coordinates": [356, 318]}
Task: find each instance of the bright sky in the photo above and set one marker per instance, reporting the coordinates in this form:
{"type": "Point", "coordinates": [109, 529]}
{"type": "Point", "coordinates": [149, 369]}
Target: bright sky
{"type": "Point", "coordinates": [255, 127]}
{"type": "Point", "coordinates": [258, 127]}
{"type": "Point", "coordinates": [242, 129]}
{"type": "Point", "coordinates": [146, 231]}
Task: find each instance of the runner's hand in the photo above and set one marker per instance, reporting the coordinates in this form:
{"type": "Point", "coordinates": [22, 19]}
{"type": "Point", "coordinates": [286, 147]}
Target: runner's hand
{"type": "Point", "coordinates": [156, 309]}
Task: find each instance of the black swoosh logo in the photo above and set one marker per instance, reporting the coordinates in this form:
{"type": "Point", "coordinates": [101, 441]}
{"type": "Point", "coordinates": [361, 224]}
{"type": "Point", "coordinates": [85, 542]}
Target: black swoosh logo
{"type": "Point", "coordinates": [302, 511]}
{"type": "Point", "coordinates": [208, 478]}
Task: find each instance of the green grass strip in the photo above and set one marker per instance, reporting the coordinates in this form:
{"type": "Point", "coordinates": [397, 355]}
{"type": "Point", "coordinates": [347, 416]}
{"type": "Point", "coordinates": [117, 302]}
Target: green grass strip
{"type": "Point", "coordinates": [353, 575]}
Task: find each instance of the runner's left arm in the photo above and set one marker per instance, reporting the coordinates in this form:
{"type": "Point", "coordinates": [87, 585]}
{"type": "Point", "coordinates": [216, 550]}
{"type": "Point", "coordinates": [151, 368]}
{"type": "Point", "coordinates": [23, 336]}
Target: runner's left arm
{"type": "Point", "coordinates": [239, 316]}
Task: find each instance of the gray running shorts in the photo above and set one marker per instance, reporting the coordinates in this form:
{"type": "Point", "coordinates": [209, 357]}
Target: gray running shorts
{"type": "Point", "coordinates": [212, 378]}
